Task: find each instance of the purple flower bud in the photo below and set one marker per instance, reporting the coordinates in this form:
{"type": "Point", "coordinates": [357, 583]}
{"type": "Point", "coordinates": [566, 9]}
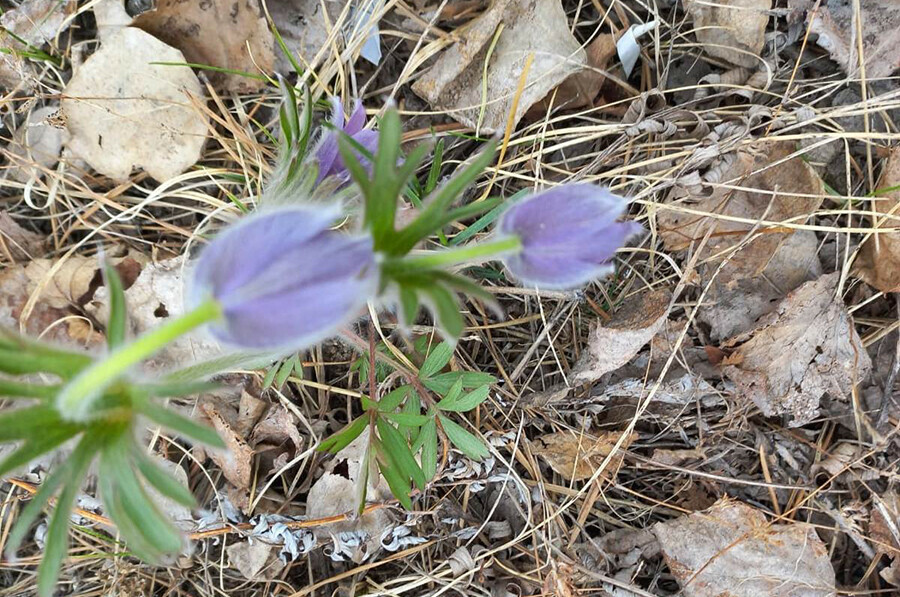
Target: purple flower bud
{"type": "Point", "coordinates": [284, 279]}
{"type": "Point", "coordinates": [569, 235]}
{"type": "Point", "coordinates": [327, 155]}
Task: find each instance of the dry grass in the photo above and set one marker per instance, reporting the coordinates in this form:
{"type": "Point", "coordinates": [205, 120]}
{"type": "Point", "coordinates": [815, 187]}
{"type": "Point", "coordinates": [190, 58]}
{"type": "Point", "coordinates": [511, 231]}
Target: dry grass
{"type": "Point", "coordinates": [551, 546]}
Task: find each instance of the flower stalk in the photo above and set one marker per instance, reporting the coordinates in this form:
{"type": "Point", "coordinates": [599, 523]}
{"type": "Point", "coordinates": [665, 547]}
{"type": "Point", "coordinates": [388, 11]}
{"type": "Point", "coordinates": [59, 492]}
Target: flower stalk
{"type": "Point", "coordinates": [75, 400]}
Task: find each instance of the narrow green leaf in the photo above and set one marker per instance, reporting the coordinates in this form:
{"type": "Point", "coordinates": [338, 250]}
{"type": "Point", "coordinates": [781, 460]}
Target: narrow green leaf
{"type": "Point", "coordinates": [398, 483]}
{"type": "Point", "coordinates": [171, 420]}
{"type": "Point", "coordinates": [437, 161]}
{"type": "Point", "coordinates": [19, 362]}
{"type": "Point", "coordinates": [436, 360]}
{"type": "Point", "coordinates": [409, 305]}
{"type": "Point", "coordinates": [229, 362]}
{"type": "Point", "coordinates": [413, 406]}
{"type": "Point", "coordinates": [392, 399]}
{"type": "Point", "coordinates": [16, 389]}
{"type": "Point", "coordinates": [345, 436]}
{"type": "Point", "coordinates": [37, 446]}
{"type": "Point", "coordinates": [396, 446]}
{"type": "Point", "coordinates": [159, 532]}
{"type": "Point", "coordinates": [114, 508]}
{"type": "Point", "coordinates": [269, 379]}
{"type": "Point", "coordinates": [467, 443]}
{"type": "Point", "coordinates": [428, 443]}
{"type": "Point", "coordinates": [446, 311]}
{"type": "Point", "coordinates": [57, 540]}
{"type": "Point", "coordinates": [431, 217]}
{"type": "Point", "coordinates": [465, 402]}
{"type": "Point", "coordinates": [284, 372]}
{"type": "Point", "coordinates": [118, 311]}
{"type": "Point", "coordinates": [406, 419]}
{"type": "Point", "coordinates": [441, 383]}
{"type": "Point", "coordinates": [161, 479]}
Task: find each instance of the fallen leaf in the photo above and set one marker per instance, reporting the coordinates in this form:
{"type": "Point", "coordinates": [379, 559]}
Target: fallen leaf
{"type": "Point", "coordinates": [278, 427]}
{"type": "Point", "coordinates": [805, 347]}
{"type": "Point", "coordinates": [771, 188]}
{"type": "Point", "coordinates": [614, 343]}
{"type": "Point", "coordinates": [736, 298]}
{"type": "Point", "coordinates": [583, 87]}
{"type": "Point", "coordinates": [731, 550]}
{"type": "Point", "coordinates": [884, 523]}
{"type": "Point", "coordinates": [250, 409]}
{"type": "Point", "coordinates": [61, 290]}
{"type": "Point", "coordinates": [155, 296]}
{"type": "Point", "coordinates": [733, 30]}
{"type": "Point", "coordinates": [110, 16]}
{"type": "Point", "coordinates": [236, 461]}
{"type": "Point", "coordinates": [838, 458]}
{"type": "Point", "coordinates": [221, 33]}
{"type": "Point", "coordinates": [878, 261]}
{"type": "Point", "coordinates": [305, 26]}
{"type": "Point", "coordinates": [17, 243]}
{"type": "Point", "coordinates": [124, 112]}
{"type": "Point", "coordinates": [254, 559]}
{"type": "Point", "coordinates": [677, 457]}
{"type": "Point", "coordinates": [336, 493]}
{"type": "Point", "coordinates": [577, 457]}
{"type": "Point", "coordinates": [179, 514]}
{"type": "Point", "coordinates": [833, 25]}
{"type": "Point", "coordinates": [38, 21]}
{"type": "Point", "coordinates": [531, 28]}
{"type": "Point", "coordinates": [36, 145]}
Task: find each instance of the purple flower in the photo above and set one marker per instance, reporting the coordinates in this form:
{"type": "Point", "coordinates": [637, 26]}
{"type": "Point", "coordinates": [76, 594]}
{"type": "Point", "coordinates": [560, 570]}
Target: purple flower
{"type": "Point", "coordinates": [284, 280]}
{"type": "Point", "coordinates": [569, 235]}
{"type": "Point", "coordinates": [326, 152]}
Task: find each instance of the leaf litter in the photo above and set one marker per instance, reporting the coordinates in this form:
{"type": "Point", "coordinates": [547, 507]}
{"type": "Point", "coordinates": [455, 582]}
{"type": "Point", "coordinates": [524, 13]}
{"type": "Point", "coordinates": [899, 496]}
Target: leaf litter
{"type": "Point", "coordinates": [721, 390]}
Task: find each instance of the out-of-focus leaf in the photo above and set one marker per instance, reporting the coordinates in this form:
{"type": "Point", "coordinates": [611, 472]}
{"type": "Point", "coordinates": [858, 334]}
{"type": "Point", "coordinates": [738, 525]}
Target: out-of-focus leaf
{"type": "Point", "coordinates": [161, 479]}
{"type": "Point", "coordinates": [118, 311]}
{"type": "Point", "coordinates": [179, 424]}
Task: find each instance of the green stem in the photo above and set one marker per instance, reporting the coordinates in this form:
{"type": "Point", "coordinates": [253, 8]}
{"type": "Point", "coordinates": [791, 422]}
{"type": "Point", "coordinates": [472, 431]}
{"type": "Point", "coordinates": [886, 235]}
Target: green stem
{"type": "Point", "coordinates": [451, 257]}
{"type": "Point", "coordinates": [76, 398]}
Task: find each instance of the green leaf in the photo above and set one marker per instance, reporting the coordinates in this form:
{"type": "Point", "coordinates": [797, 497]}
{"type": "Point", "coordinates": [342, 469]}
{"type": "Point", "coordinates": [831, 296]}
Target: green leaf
{"type": "Point", "coordinates": [392, 399]}
{"type": "Point", "coordinates": [32, 421]}
{"type": "Point", "coordinates": [413, 406]}
{"type": "Point", "coordinates": [184, 426]}
{"type": "Point", "coordinates": [427, 441]}
{"type": "Point", "coordinates": [16, 389]}
{"type": "Point", "coordinates": [437, 161]}
{"type": "Point", "coordinates": [118, 310]}
{"type": "Point", "coordinates": [161, 479]}
{"type": "Point", "coordinates": [284, 372]}
{"type": "Point", "coordinates": [407, 419]}
{"type": "Point", "coordinates": [436, 360]}
{"type": "Point", "coordinates": [153, 527]}
{"type": "Point", "coordinates": [37, 445]}
{"type": "Point", "coordinates": [430, 219]}
{"type": "Point", "coordinates": [409, 305]}
{"type": "Point", "coordinates": [229, 362]}
{"type": "Point", "coordinates": [19, 362]}
{"type": "Point", "coordinates": [464, 402]}
{"type": "Point", "coordinates": [446, 311]}
{"type": "Point", "coordinates": [441, 383]}
{"type": "Point", "coordinates": [488, 218]}
{"type": "Point", "coordinates": [345, 436]}
{"type": "Point", "coordinates": [395, 445]}
{"type": "Point", "coordinates": [115, 509]}
{"type": "Point", "coordinates": [398, 483]}
{"type": "Point", "coordinates": [57, 541]}
{"type": "Point", "coordinates": [467, 443]}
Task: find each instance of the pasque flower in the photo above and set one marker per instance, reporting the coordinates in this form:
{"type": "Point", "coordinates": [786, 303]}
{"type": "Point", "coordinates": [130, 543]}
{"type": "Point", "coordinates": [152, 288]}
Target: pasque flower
{"type": "Point", "coordinates": [285, 280]}
{"type": "Point", "coordinates": [568, 234]}
{"type": "Point", "coordinates": [326, 152]}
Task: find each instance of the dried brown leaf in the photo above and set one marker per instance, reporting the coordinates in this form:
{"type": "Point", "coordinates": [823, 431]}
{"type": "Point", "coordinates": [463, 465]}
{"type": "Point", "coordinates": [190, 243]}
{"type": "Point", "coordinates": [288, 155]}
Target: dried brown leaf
{"type": "Point", "coordinates": [878, 261]}
{"type": "Point", "coordinates": [124, 112]}
{"type": "Point", "coordinates": [536, 28]}
{"type": "Point", "coordinates": [730, 550]}
{"type": "Point", "coordinates": [17, 243]}
{"type": "Point", "coordinates": [771, 188]}
{"type": "Point", "coordinates": [833, 25]}
{"type": "Point", "coordinates": [220, 33]}
{"type": "Point", "coordinates": [614, 343]}
{"type": "Point", "coordinates": [254, 559]}
{"type": "Point", "coordinates": [577, 456]}
{"type": "Point", "coordinates": [278, 427]}
{"type": "Point", "coordinates": [805, 347]}
{"type": "Point", "coordinates": [236, 461]}
{"type": "Point", "coordinates": [734, 30]}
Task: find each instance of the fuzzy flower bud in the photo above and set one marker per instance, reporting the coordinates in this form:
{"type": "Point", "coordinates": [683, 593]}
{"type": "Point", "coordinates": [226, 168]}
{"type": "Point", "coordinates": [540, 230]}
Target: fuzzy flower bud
{"type": "Point", "coordinates": [327, 154]}
{"type": "Point", "coordinates": [569, 235]}
{"type": "Point", "coordinates": [284, 280]}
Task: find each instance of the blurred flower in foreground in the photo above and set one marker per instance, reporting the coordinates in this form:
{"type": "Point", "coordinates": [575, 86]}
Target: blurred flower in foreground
{"type": "Point", "coordinates": [284, 280]}
{"type": "Point", "coordinates": [327, 154]}
{"type": "Point", "coordinates": [569, 235]}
